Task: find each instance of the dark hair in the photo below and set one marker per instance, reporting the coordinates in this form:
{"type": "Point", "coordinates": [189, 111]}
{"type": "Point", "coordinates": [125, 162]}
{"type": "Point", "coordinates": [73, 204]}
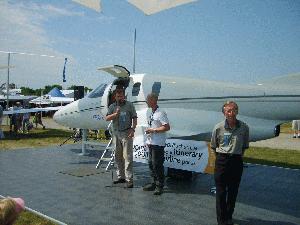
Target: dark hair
{"type": "Point", "coordinates": [120, 91]}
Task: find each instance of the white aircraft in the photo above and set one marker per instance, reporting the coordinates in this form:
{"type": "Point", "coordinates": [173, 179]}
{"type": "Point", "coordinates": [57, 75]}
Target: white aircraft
{"type": "Point", "coordinates": [193, 105]}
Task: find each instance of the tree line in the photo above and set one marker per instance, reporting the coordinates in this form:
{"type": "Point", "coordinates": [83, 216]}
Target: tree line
{"type": "Point", "coordinates": [46, 89]}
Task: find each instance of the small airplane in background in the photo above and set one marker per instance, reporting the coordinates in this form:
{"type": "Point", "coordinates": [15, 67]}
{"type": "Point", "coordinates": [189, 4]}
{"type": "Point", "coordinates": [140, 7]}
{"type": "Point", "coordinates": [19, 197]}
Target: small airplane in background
{"type": "Point", "coordinates": [193, 107]}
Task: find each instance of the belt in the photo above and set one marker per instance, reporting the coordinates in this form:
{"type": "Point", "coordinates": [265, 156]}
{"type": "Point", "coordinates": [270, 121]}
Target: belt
{"type": "Point", "coordinates": [228, 155]}
{"type": "Point", "coordinates": [124, 129]}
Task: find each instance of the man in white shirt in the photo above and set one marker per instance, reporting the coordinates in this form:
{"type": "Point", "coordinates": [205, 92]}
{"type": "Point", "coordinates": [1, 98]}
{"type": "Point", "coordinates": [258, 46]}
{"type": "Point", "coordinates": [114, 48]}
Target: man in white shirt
{"type": "Point", "coordinates": [158, 124]}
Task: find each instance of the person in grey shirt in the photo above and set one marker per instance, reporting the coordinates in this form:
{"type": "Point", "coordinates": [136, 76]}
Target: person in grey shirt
{"type": "Point", "coordinates": [124, 118]}
{"type": "Point", "coordinates": [230, 139]}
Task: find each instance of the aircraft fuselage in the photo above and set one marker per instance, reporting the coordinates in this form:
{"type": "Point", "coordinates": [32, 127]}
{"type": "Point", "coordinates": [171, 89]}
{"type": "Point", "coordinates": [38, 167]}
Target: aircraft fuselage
{"type": "Point", "coordinates": [193, 106]}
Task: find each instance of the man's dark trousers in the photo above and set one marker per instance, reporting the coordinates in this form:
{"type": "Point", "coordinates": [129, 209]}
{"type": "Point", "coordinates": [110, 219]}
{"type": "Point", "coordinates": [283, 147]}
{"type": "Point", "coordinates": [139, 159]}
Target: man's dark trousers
{"type": "Point", "coordinates": [228, 173]}
{"type": "Point", "coordinates": [156, 164]}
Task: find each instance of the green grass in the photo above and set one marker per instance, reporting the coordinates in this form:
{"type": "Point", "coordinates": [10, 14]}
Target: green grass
{"type": "Point", "coordinates": [273, 157]}
{"type": "Point", "coordinates": [38, 138]}
{"type": "Point", "coordinates": [286, 128]}
{"type": "Point", "coordinates": [32, 219]}
{"type": "Point", "coordinates": [35, 138]}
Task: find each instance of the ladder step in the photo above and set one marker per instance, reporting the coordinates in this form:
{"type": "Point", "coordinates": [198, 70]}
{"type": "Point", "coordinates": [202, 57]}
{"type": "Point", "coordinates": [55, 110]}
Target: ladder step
{"type": "Point", "coordinates": [106, 159]}
{"type": "Point", "coordinates": [109, 153]}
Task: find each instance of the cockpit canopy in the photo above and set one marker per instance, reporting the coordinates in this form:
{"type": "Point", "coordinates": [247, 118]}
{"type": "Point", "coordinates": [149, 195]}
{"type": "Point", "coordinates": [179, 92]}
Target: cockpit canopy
{"type": "Point", "coordinates": [97, 92]}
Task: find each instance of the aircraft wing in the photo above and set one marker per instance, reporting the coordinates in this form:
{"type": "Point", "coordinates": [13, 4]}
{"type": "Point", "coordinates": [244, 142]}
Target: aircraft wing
{"type": "Point", "coordinates": [46, 109]}
{"type": "Point", "coordinates": [148, 7]}
{"type": "Point", "coordinates": [92, 4]}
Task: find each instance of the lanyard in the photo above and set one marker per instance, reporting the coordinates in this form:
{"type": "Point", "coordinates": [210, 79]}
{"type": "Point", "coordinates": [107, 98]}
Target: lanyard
{"type": "Point", "coordinates": [151, 117]}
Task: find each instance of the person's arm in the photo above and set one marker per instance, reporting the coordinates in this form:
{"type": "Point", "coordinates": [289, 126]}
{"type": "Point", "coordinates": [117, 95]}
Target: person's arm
{"type": "Point", "coordinates": [214, 141]}
{"type": "Point", "coordinates": [134, 123]}
{"type": "Point", "coordinates": [132, 129]}
{"type": "Point", "coordinates": [246, 141]}
{"type": "Point", "coordinates": [112, 115]}
{"type": "Point", "coordinates": [162, 128]}
{"type": "Point", "coordinates": [134, 120]}
{"type": "Point", "coordinates": [165, 125]}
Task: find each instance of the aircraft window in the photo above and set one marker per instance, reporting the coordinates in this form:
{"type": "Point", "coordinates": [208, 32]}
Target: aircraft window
{"type": "Point", "coordinates": [136, 89]}
{"type": "Point", "coordinates": [156, 87]}
{"type": "Point", "coordinates": [98, 92]}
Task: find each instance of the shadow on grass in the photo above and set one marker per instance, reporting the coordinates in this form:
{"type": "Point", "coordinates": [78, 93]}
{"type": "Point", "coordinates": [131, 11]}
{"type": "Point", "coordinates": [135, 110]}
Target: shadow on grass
{"type": "Point", "coordinates": [271, 163]}
{"type": "Point", "coordinates": [38, 134]}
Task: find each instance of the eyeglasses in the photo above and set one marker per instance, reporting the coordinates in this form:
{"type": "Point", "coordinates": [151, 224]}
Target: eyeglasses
{"type": "Point", "coordinates": [230, 111]}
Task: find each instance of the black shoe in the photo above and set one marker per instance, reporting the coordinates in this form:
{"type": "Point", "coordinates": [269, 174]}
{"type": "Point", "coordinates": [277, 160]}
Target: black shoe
{"type": "Point", "coordinates": [158, 191]}
{"type": "Point", "coordinates": [119, 181]}
{"type": "Point", "coordinates": [149, 187]}
{"type": "Point", "coordinates": [129, 184]}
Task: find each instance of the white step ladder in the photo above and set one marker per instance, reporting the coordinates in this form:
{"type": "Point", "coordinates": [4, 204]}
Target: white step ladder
{"type": "Point", "coordinates": [109, 153]}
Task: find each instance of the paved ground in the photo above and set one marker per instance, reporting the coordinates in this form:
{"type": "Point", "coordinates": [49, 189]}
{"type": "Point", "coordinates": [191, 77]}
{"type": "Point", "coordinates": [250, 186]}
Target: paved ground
{"type": "Point", "coordinates": [49, 181]}
{"type": "Point", "coordinates": [283, 141]}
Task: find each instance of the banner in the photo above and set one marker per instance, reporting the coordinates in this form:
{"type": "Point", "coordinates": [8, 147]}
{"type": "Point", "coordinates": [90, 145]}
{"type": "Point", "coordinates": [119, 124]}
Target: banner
{"type": "Point", "coordinates": [64, 70]}
{"type": "Point", "coordinates": [179, 154]}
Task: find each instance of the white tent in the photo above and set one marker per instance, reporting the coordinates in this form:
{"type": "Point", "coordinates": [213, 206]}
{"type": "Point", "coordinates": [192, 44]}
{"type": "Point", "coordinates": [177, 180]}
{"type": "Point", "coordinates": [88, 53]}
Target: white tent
{"type": "Point", "coordinates": [55, 96]}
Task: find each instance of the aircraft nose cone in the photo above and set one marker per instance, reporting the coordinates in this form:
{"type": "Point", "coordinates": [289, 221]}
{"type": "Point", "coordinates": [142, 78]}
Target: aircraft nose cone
{"type": "Point", "coordinates": [56, 117]}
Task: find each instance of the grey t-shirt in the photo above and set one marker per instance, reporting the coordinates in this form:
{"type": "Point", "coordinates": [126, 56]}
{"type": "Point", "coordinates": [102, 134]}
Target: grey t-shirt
{"type": "Point", "coordinates": [127, 113]}
{"type": "Point", "coordinates": [230, 141]}
{"type": "Point", "coordinates": [157, 119]}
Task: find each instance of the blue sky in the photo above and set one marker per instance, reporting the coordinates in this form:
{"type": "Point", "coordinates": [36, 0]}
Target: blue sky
{"type": "Point", "coordinates": [236, 41]}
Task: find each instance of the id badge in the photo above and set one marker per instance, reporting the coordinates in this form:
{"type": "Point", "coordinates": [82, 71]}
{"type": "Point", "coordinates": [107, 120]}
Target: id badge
{"type": "Point", "coordinates": [227, 139]}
